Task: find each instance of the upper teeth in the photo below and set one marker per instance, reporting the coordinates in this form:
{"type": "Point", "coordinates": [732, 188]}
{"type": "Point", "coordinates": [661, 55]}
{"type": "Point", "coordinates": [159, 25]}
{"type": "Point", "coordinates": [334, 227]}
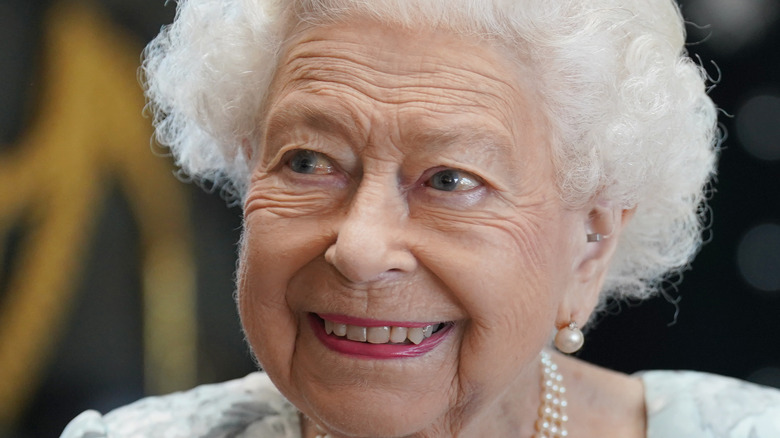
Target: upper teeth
{"type": "Point", "coordinates": [380, 335]}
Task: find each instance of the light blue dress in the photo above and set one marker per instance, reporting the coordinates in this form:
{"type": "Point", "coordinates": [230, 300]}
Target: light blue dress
{"type": "Point", "coordinates": [680, 404]}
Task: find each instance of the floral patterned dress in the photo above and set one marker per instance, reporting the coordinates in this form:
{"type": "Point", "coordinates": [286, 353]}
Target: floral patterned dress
{"type": "Point", "coordinates": [680, 404]}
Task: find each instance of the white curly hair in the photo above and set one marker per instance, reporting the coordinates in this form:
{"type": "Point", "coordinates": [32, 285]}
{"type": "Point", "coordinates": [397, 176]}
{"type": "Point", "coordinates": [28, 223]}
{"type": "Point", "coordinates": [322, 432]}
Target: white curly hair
{"type": "Point", "coordinates": [631, 120]}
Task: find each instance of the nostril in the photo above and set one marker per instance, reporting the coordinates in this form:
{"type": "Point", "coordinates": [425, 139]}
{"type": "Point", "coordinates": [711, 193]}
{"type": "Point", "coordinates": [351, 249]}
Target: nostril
{"type": "Point", "coordinates": [363, 252]}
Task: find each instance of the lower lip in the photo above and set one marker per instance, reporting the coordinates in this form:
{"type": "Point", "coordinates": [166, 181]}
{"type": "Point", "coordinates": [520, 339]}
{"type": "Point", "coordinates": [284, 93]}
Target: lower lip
{"type": "Point", "coordinates": [367, 350]}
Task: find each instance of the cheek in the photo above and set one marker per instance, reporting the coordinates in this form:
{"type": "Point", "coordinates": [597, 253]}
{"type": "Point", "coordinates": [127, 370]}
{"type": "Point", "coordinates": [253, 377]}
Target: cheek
{"type": "Point", "coordinates": [511, 258]}
{"type": "Point", "coordinates": [507, 276]}
{"type": "Point", "coordinates": [284, 229]}
{"type": "Point", "coordinates": [274, 250]}
{"type": "Point", "coordinates": [508, 291]}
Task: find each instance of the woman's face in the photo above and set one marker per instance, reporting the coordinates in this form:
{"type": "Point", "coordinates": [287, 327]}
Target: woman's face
{"type": "Point", "coordinates": [404, 181]}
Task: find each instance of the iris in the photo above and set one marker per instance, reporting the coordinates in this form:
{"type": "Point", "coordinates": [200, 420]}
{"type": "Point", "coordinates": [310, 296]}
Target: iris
{"type": "Point", "coordinates": [309, 162]}
{"type": "Point", "coordinates": [446, 180]}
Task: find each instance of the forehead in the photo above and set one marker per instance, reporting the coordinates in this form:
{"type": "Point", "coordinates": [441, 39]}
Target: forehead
{"type": "Point", "coordinates": [363, 78]}
{"type": "Point", "coordinates": [400, 58]}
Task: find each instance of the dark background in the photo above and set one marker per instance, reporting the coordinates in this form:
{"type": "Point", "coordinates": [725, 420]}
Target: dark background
{"type": "Point", "coordinates": [721, 318]}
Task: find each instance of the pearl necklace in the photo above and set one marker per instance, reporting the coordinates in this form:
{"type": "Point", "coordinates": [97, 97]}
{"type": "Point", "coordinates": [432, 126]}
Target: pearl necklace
{"type": "Point", "coordinates": [552, 407]}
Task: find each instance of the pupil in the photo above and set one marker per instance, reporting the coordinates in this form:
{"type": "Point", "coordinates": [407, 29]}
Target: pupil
{"type": "Point", "coordinates": [446, 180]}
{"type": "Point", "coordinates": [303, 162]}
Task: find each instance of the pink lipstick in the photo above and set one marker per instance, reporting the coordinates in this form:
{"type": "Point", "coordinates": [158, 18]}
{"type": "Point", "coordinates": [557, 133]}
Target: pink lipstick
{"type": "Point", "coordinates": [366, 350]}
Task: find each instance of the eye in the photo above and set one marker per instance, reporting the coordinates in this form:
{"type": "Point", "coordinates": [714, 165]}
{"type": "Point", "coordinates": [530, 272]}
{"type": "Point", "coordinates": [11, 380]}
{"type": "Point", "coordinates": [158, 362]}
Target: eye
{"type": "Point", "coordinates": [452, 180]}
{"type": "Point", "coordinates": [309, 162]}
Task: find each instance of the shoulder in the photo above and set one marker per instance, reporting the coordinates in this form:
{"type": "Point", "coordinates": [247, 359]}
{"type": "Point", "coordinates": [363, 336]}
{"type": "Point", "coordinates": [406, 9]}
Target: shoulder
{"type": "Point", "coordinates": [247, 407]}
{"type": "Point", "coordinates": [700, 405]}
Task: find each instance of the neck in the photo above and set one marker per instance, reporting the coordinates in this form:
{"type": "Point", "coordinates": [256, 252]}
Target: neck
{"type": "Point", "coordinates": [602, 403]}
{"type": "Point", "coordinates": [516, 412]}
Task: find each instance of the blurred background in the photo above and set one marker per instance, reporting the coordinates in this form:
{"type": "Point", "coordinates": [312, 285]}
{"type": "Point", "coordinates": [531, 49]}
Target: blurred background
{"type": "Point", "coordinates": [116, 279]}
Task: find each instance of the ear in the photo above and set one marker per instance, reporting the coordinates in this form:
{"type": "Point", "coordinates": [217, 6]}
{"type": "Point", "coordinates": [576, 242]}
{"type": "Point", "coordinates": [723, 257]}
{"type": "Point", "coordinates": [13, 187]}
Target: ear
{"type": "Point", "coordinates": [603, 224]}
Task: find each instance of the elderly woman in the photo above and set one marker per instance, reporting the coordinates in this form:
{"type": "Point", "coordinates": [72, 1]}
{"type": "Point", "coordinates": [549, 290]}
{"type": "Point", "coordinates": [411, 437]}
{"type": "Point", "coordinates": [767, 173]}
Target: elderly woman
{"type": "Point", "coordinates": [434, 191]}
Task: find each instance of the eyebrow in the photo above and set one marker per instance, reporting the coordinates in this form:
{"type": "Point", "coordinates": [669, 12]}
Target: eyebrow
{"type": "Point", "coordinates": [315, 117]}
{"type": "Point", "coordinates": [431, 138]}
{"type": "Point", "coordinates": [439, 138]}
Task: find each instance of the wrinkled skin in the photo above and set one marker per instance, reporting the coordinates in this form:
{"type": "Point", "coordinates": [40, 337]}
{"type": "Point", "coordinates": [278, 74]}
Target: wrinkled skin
{"type": "Point", "coordinates": [369, 230]}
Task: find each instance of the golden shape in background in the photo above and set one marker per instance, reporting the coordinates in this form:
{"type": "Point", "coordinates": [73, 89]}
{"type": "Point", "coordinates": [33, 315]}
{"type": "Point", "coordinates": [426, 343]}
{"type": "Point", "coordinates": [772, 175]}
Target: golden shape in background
{"type": "Point", "coordinates": [89, 130]}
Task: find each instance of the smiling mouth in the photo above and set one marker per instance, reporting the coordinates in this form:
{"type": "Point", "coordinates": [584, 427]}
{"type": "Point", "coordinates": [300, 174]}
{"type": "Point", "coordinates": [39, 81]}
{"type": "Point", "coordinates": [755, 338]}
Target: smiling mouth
{"type": "Point", "coordinates": [388, 334]}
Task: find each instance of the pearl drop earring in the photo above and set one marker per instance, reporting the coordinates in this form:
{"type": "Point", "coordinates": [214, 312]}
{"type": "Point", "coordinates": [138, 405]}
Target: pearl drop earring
{"type": "Point", "coordinates": [569, 339]}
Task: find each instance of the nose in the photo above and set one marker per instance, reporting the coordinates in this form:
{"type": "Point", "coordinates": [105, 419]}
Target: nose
{"type": "Point", "coordinates": [371, 241]}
